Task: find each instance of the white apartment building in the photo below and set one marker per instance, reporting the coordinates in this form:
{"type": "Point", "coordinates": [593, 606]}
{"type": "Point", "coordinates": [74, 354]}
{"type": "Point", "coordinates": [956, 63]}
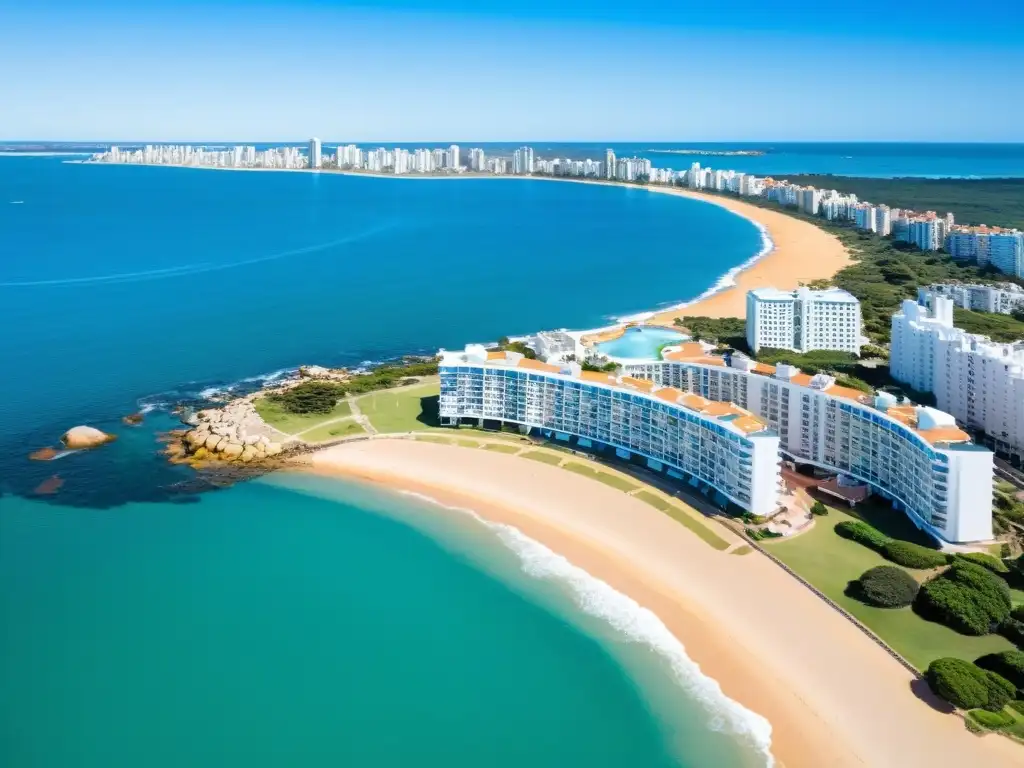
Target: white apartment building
{"type": "Point", "coordinates": [803, 320]}
{"type": "Point", "coordinates": [1002, 248]}
{"type": "Point", "coordinates": [978, 381]}
{"type": "Point", "coordinates": [315, 159]}
{"type": "Point", "coordinates": [913, 456]}
{"type": "Point", "coordinates": [1002, 298]}
{"type": "Point", "coordinates": [717, 448]}
{"type": "Point", "coordinates": [609, 164]}
{"type": "Point", "coordinates": [522, 160]}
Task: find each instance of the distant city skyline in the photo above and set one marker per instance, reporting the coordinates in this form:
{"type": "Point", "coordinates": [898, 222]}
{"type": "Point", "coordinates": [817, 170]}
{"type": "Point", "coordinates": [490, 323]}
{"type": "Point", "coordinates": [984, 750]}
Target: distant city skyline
{"type": "Point", "coordinates": [411, 70]}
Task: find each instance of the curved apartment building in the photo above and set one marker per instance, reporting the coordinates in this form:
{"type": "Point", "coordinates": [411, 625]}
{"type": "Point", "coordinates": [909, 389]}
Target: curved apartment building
{"type": "Point", "coordinates": [716, 447]}
{"type": "Point", "coordinates": [914, 456]}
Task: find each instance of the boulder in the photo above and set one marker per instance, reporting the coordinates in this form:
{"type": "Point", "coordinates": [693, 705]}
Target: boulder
{"type": "Point", "coordinates": [200, 454]}
{"type": "Point", "coordinates": [196, 437]}
{"type": "Point", "coordinates": [248, 453]}
{"type": "Point", "coordinates": [211, 442]}
{"type": "Point", "coordinates": [132, 419]}
{"type": "Point", "coordinates": [85, 437]}
{"type": "Point", "coordinates": [273, 449]}
{"type": "Point", "coordinates": [231, 450]}
{"type": "Point", "coordinates": [252, 439]}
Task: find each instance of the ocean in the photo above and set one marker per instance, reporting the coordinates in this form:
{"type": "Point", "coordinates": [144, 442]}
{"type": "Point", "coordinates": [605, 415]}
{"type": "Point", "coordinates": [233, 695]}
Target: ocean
{"type": "Point", "coordinates": [150, 619]}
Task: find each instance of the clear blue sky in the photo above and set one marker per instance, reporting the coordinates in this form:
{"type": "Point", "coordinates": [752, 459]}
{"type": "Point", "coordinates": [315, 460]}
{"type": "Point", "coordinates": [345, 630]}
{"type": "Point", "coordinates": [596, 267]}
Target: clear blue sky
{"type": "Point", "coordinates": [622, 70]}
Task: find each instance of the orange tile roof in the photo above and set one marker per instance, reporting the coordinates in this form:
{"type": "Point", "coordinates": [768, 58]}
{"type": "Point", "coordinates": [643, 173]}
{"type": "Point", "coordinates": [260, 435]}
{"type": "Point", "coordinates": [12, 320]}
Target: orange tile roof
{"type": "Point", "coordinates": [537, 365]}
{"type": "Point", "coordinates": [748, 424]}
{"type": "Point", "coordinates": [849, 393]}
{"type": "Point", "coordinates": [768, 370]}
{"type": "Point", "coordinates": [944, 435]}
{"type": "Point", "coordinates": [500, 355]}
{"type": "Point", "coordinates": [598, 376]}
{"type": "Point", "coordinates": [668, 394]}
{"type": "Point", "coordinates": [721, 408]}
{"type": "Point", "coordinates": [644, 385]}
{"type": "Point", "coordinates": [801, 378]}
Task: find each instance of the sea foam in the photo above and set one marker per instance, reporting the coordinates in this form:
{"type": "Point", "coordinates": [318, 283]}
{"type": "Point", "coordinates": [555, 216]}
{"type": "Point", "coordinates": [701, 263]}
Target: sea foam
{"type": "Point", "coordinates": [637, 624]}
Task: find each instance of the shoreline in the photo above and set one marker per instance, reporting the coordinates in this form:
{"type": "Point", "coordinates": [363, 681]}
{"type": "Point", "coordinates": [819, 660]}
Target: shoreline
{"type": "Point", "coordinates": [792, 251]}
{"type": "Point", "coordinates": [832, 697]}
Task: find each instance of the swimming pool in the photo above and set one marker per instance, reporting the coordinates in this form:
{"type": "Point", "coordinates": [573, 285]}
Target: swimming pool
{"type": "Point", "coordinates": [640, 343]}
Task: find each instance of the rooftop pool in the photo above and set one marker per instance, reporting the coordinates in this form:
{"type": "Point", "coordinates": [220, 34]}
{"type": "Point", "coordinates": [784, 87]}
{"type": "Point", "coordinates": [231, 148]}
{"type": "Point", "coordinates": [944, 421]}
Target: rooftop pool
{"type": "Point", "coordinates": [640, 343]}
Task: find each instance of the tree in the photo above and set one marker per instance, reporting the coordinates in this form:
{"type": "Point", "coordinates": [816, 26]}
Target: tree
{"type": "Point", "coordinates": [817, 508]}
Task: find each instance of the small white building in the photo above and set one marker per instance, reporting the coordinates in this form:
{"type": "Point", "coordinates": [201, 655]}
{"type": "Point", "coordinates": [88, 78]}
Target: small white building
{"type": "Point", "coordinates": [803, 320]}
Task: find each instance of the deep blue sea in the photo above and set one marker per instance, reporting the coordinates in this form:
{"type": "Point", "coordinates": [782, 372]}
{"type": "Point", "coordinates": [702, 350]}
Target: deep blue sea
{"type": "Point", "coordinates": [149, 620]}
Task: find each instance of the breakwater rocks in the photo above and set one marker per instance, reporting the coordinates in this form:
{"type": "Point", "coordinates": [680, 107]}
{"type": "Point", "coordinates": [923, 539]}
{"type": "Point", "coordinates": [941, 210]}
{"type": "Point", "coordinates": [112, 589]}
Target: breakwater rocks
{"type": "Point", "coordinates": [232, 433]}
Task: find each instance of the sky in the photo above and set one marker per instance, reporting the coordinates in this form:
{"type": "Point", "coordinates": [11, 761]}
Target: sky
{"type": "Point", "coordinates": [554, 70]}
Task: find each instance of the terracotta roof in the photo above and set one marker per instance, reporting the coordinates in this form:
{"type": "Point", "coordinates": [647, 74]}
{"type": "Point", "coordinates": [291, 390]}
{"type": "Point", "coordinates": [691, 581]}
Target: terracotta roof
{"type": "Point", "coordinates": [644, 385]}
{"type": "Point", "coordinates": [944, 435]}
{"type": "Point", "coordinates": [768, 370]}
{"type": "Point", "coordinates": [748, 424]}
{"type": "Point", "coordinates": [598, 376]}
{"type": "Point", "coordinates": [499, 355]}
{"type": "Point", "coordinates": [669, 394]}
{"type": "Point", "coordinates": [537, 365]}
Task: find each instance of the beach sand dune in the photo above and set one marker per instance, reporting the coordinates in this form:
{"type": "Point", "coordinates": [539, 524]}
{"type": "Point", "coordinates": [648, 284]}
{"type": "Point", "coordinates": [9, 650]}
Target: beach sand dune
{"type": "Point", "coordinates": [833, 696]}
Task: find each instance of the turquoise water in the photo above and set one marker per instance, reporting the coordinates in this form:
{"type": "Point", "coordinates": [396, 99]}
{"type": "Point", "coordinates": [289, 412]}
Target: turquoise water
{"type": "Point", "coordinates": [640, 343]}
{"type": "Point", "coordinates": [150, 619]}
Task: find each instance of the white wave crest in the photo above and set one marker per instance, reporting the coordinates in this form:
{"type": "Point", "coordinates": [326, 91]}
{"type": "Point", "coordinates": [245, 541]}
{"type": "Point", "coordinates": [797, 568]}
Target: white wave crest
{"type": "Point", "coordinates": [638, 624]}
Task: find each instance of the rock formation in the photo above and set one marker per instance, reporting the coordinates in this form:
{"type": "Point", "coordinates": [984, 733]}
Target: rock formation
{"type": "Point", "coordinates": [232, 433]}
{"type": "Point", "coordinates": [133, 419]}
{"type": "Point", "coordinates": [85, 437]}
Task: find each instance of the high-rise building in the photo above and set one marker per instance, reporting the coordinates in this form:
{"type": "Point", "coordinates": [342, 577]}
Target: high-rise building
{"type": "Point", "coordinates": [978, 381]}
{"type": "Point", "coordinates": [452, 161]}
{"type": "Point", "coordinates": [803, 320]}
{"type": "Point", "coordinates": [609, 164]}
{"type": "Point", "coordinates": [315, 161]}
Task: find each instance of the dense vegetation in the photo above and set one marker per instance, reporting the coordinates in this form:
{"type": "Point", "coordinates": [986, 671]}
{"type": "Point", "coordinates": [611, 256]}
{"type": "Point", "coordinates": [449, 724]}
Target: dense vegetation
{"type": "Point", "coordinates": [862, 533]}
{"type": "Point", "coordinates": [1008, 664]}
{"type": "Point", "coordinates": [514, 346]}
{"type": "Point", "coordinates": [728, 331]}
{"type": "Point", "coordinates": [886, 586]}
{"type": "Point", "coordinates": [322, 396]}
{"type": "Point", "coordinates": [968, 686]}
{"type": "Point", "coordinates": [966, 597]}
{"type": "Point", "coordinates": [996, 202]}
{"type": "Point", "coordinates": [985, 560]}
{"type": "Point", "coordinates": [1004, 328]}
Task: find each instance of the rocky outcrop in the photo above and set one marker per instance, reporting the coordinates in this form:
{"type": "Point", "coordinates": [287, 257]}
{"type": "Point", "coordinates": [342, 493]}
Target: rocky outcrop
{"type": "Point", "coordinates": [232, 433]}
{"type": "Point", "coordinates": [323, 374]}
{"type": "Point", "coordinates": [133, 419]}
{"type": "Point", "coordinates": [85, 437]}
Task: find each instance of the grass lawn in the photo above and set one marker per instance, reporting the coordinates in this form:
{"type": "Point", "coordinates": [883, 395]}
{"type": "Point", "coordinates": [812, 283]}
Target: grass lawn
{"type": "Point", "coordinates": [829, 562]}
{"type": "Point", "coordinates": [338, 429]}
{"type": "Point", "coordinates": [405, 409]}
{"type": "Point", "coordinates": [544, 456]}
{"type": "Point", "coordinates": [502, 447]}
{"type": "Point", "coordinates": [615, 481]}
{"type": "Point", "coordinates": [290, 423]}
{"type": "Point", "coordinates": [682, 514]}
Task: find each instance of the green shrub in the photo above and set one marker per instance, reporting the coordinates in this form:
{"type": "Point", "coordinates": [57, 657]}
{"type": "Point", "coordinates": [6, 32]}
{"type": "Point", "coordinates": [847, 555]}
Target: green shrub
{"type": "Point", "coordinates": [985, 560]}
{"type": "Point", "coordinates": [968, 686]}
{"type": "Point", "coordinates": [862, 533]}
{"type": "Point", "coordinates": [308, 397]}
{"type": "Point", "coordinates": [959, 682]}
{"type": "Point", "coordinates": [1008, 664]}
{"type": "Point", "coordinates": [887, 586]}
{"type": "Point", "coordinates": [1017, 706]}
{"type": "Point", "coordinates": [994, 721]}
{"type": "Point", "coordinates": [819, 509]}
{"type": "Point", "coordinates": [967, 598]}
{"type": "Point", "coordinates": [1018, 613]}
{"type": "Point", "coordinates": [913, 555]}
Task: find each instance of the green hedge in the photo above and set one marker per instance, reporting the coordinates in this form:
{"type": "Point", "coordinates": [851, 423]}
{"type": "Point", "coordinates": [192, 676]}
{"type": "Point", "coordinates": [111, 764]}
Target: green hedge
{"type": "Point", "coordinates": [968, 686]}
{"type": "Point", "coordinates": [1013, 630]}
{"type": "Point", "coordinates": [862, 533]}
{"type": "Point", "coordinates": [913, 555]}
{"type": "Point", "coordinates": [992, 720]}
{"type": "Point", "coordinates": [1018, 613]}
{"type": "Point", "coordinates": [1008, 664]}
{"type": "Point", "coordinates": [887, 586]}
{"type": "Point", "coordinates": [985, 560]}
{"type": "Point", "coordinates": [967, 598]}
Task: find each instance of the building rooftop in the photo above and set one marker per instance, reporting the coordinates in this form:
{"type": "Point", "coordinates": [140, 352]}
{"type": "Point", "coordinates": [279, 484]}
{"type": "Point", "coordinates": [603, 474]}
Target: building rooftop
{"type": "Point", "coordinates": [805, 294]}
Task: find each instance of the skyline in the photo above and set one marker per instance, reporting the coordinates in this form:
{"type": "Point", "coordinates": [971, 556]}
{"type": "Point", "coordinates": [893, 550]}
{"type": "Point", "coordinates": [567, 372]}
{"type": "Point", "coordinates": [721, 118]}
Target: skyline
{"type": "Point", "coordinates": [418, 71]}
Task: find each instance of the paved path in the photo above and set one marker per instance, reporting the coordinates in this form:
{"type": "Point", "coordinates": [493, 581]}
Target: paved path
{"type": "Point", "coordinates": [360, 417]}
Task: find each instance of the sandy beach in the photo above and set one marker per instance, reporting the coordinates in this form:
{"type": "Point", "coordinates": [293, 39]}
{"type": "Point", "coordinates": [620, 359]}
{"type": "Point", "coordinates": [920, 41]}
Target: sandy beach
{"type": "Point", "coordinates": [833, 697]}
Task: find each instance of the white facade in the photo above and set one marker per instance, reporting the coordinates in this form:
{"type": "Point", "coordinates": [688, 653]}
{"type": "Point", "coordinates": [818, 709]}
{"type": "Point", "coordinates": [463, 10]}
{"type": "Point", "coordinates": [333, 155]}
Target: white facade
{"type": "Point", "coordinates": [718, 448]}
{"type": "Point", "coordinates": [1003, 298]}
{"type": "Point", "coordinates": [978, 381]}
{"type": "Point", "coordinates": [915, 457]}
{"type": "Point", "coordinates": [803, 320]}
{"type": "Point", "coordinates": [315, 159]}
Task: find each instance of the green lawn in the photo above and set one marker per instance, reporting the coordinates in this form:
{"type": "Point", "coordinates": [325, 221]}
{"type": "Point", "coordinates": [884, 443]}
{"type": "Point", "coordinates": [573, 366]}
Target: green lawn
{"type": "Point", "coordinates": [406, 409]}
{"type": "Point", "coordinates": [830, 562]}
{"type": "Point", "coordinates": [543, 456]}
{"type": "Point", "coordinates": [681, 514]}
{"type": "Point", "coordinates": [615, 481]}
{"type": "Point", "coordinates": [290, 423]}
{"type": "Point", "coordinates": [338, 429]}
